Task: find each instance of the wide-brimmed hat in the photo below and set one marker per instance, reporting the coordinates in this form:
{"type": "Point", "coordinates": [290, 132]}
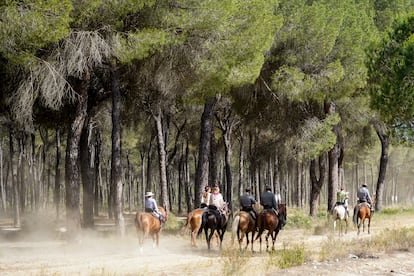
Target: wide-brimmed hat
{"type": "Point", "coordinates": [248, 189]}
{"type": "Point", "coordinates": [268, 188]}
{"type": "Point", "coordinates": [148, 194]}
{"type": "Point", "coordinates": [364, 185]}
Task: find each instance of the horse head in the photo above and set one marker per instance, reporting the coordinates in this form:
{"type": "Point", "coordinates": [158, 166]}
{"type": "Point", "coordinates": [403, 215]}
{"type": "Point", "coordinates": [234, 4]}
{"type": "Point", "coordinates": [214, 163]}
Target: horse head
{"type": "Point", "coordinates": [282, 209]}
{"type": "Point", "coordinates": [164, 213]}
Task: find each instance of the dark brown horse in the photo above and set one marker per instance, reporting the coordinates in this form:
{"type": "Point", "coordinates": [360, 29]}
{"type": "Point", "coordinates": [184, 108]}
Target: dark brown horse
{"type": "Point", "coordinates": [193, 224]}
{"type": "Point", "coordinates": [268, 220]}
{"type": "Point", "coordinates": [146, 225]}
{"type": "Point", "coordinates": [211, 222]}
{"type": "Point", "coordinates": [364, 213]}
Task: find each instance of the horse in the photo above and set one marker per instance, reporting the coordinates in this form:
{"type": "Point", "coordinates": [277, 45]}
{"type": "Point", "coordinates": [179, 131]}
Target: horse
{"type": "Point", "coordinates": [364, 213]}
{"type": "Point", "coordinates": [193, 224]}
{"type": "Point", "coordinates": [146, 224]}
{"type": "Point", "coordinates": [340, 214]}
{"type": "Point", "coordinates": [268, 220]}
{"type": "Point", "coordinates": [243, 224]}
{"type": "Point", "coordinates": [212, 223]}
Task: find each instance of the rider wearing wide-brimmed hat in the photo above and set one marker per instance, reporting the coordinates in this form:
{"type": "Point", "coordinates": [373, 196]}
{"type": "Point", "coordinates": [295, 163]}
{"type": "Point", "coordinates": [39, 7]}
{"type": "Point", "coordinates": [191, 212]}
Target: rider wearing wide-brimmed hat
{"type": "Point", "coordinates": [151, 206]}
{"type": "Point", "coordinates": [205, 198]}
{"type": "Point", "coordinates": [363, 197]}
{"type": "Point", "coordinates": [247, 202]}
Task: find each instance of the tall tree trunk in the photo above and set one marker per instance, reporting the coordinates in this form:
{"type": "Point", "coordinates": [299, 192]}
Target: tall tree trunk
{"type": "Point", "coordinates": [187, 176]}
{"type": "Point", "coordinates": [116, 166]}
{"type": "Point", "coordinates": [21, 139]}
{"type": "Point", "coordinates": [72, 170]}
{"type": "Point", "coordinates": [56, 193]}
{"type": "Point", "coordinates": [212, 164]}
{"type": "Point", "coordinates": [381, 130]}
{"type": "Point", "coordinates": [316, 184]}
{"type": "Point", "coordinates": [14, 182]}
{"type": "Point", "coordinates": [241, 164]}
{"type": "Point", "coordinates": [202, 171]}
{"type": "Point", "coordinates": [87, 174]}
{"type": "Point", "coordinates": [2, 187]}
{"type": "Point", "coordinates": [97, 174]}
{"type": "Point", "coordinates": [333, 157]}
{"type": "Point", "coordinates": [162, 160]}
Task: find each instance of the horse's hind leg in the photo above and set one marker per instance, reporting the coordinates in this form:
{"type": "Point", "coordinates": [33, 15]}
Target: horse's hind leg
{"type": "Point", "coordinates": [369, 225]}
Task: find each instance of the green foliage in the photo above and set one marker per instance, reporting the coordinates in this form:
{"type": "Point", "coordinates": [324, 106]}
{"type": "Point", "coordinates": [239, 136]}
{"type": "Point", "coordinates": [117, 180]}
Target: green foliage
{"type": "Point", "coordinates": [141, 44]}
{"type": "Point", "coordinates": [391, 73]}
{"type": "Point", "coordinates": [27, 26]}
{"type": "Point", "coordinates": [292, 256]}
{"type": "Point", "coordinates": [317, 136]}
{"type": "Point", "coordinates": [299, 220]}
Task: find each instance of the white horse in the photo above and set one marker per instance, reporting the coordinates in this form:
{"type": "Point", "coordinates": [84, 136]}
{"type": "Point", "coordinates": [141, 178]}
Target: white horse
{"type": "Point", "coordinates": [339, 213]}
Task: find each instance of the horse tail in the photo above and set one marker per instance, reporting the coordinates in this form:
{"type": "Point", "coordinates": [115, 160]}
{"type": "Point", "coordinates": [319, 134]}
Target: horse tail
{"type": "Point", "coordinates": [234, 227]}
{"type": "Point", "coordinates": [355, 218]}
{"type": "Point", "coordinates": [204, 218]}
{"type": "Point", "coordinates": [187, 226]}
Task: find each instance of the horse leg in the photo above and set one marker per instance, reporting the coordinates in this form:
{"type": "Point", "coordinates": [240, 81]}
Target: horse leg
{"type": "Point", "coordinates": [346, 225]}
{"type": "Point", "coordinates": [369, 225]}
{"type": "Point", "coordinates": [274, 235]}
{"type": "Point", "coordinates": [267, 240]}
{"type": "Point", "coordinates": [252, 240]}
{"type": "Point", "coordinates": [207, 237]}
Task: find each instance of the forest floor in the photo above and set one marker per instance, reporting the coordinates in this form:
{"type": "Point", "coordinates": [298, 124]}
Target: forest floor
{"type": "Point", "coordinates": [43, 250]}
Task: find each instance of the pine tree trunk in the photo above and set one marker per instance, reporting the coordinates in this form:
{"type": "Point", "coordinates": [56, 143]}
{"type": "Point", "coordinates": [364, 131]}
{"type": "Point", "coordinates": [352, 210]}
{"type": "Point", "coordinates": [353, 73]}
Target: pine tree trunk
{"type": "Point", "coordinates": [98, 193]}
{"type": "Point", "coordinates": [2, 187]}
{"type": "Point", "coordinates": [87, 175]}
{"type": "Point", "coordinates": [316, 184]}
{"type": "Point", "coordinates": [202, 171]}
{"type": "Point", "coordinates": [384, 138]}
{"type": "Point", "coordinates": [116, 166]}
{"type": "Point", "coordinates": [14, 182]}
{"type": "Point", "coordinates": [56, 193]}
{"type": "Point", "coordinates": [162, 160]}
{"type": "Point", "coordinates": [241, 164]}
{"type": "Point", "coordinates": [72, 170]}
{"type": "Point", "coordinates": [333, 157]}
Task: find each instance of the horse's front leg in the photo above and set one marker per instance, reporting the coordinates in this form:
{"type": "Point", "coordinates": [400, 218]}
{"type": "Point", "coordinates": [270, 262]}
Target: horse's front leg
{"type": "Point", "coordinates": [267, 240]}
{"type": "Point", "coordinates": [247, 240]}
{"type": "Point", "coordinates": [221, 235]}
{"type": "Point", "coordinates": [369, 225]}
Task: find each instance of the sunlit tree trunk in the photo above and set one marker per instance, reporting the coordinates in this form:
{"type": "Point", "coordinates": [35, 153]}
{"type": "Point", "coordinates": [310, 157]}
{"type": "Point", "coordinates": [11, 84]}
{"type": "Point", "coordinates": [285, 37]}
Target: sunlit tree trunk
{"type": "Point", "coordinates": [14, 182]}
{"type": "Point", "coordinates": [384, 138]}
{"type": "Point", "coordinates": [316, 183]}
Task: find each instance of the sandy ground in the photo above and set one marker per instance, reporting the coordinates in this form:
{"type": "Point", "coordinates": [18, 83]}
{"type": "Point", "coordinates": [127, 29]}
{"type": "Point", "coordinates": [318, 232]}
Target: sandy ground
{"type": "Point", "coordinates": [43, 252]}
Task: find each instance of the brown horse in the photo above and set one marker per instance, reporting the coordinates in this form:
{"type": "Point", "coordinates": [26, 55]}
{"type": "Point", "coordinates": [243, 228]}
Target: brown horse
{"type": "Point", "coordinates": [146, 225]}
{"type": "Point", "coordinates": [268, 220]}
{"type": "Point", "coordinates": [193, 224]}
{"type": "Point", "coordinates": [243, 224]}
{"type": "Point", "coordinates": [364, 213]}
{"type": "Point", "coordinates": [211, 222]}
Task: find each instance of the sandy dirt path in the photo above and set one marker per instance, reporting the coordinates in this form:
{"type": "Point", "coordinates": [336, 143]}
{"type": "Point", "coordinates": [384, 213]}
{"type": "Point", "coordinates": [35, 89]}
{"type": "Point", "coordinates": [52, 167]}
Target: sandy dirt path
{"type": "Point", "coordinates": [105, 254]}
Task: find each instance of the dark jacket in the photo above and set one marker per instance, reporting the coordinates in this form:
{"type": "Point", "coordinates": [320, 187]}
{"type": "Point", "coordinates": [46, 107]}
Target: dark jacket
{"type": "Point", "coordinates": [268, 200]}
{"type": "Point", "coordinates": [247, 201]}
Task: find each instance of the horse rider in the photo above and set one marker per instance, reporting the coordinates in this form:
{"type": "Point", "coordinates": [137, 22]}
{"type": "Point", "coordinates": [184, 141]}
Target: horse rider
{"type": "Point", "coordinates": [216, 203]}
{"type": "Point", "coordinates": [342, 199]}
{"type": "Point", "coordinates": [205, 198]}
{"type": "Point", "coordinates": [247, 202]}
{"type": "Point", "coordinates": [363, 197]}
{"type": "Point", "coordinates": [268, 201]}
{"type": "Point", "coordinates": [151, 206]}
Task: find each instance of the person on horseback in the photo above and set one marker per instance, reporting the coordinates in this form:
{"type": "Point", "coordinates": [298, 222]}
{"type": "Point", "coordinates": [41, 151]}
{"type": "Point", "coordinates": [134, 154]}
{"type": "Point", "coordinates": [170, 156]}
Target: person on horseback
{"type": "Point", "coordinates": [363, 197]}
{"type": "Point", "coordinates": [342, 199]}
{"type": "Point", "coordinates": [151, 207]}
{"type": "Point", "coordinates": [268, 201]}
{"type": "Point", "coordinates": [205, 198]}
{"type": "Point", "coordinates": [246, 203]}
{"type": "Point", "coordinates": [216, 203]}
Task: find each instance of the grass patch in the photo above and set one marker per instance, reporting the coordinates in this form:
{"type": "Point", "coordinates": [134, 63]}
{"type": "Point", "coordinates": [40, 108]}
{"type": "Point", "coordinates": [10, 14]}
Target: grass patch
{"type": "Point", "coordinates": [235, 262]}
{"type": "Point", "coordinates": [289, 257]}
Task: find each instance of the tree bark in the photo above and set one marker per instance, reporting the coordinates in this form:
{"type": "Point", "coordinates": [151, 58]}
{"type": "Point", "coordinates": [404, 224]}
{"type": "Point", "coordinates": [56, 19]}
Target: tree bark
{"type": "Point", "coordinates": [56, 193]}
{"type": "Point", "coordinates": [87, 175]}
{"type": "Point", "coordinates": [333, 157]}
{"type": "Point", "coordinates": [202, 171]}
{"type": "Point", "coordinates": [316, 184]}
{"type": "Point", "coordinates": [72, 170]}
{"type": "Point", "coordinates": [162, 160]}
{"type": "Point", "coordinates": [116, 166]}
{"type": "Point", "coordinates": [14, 182]}
{"type": "Point", "coordinates": [380, 128]}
